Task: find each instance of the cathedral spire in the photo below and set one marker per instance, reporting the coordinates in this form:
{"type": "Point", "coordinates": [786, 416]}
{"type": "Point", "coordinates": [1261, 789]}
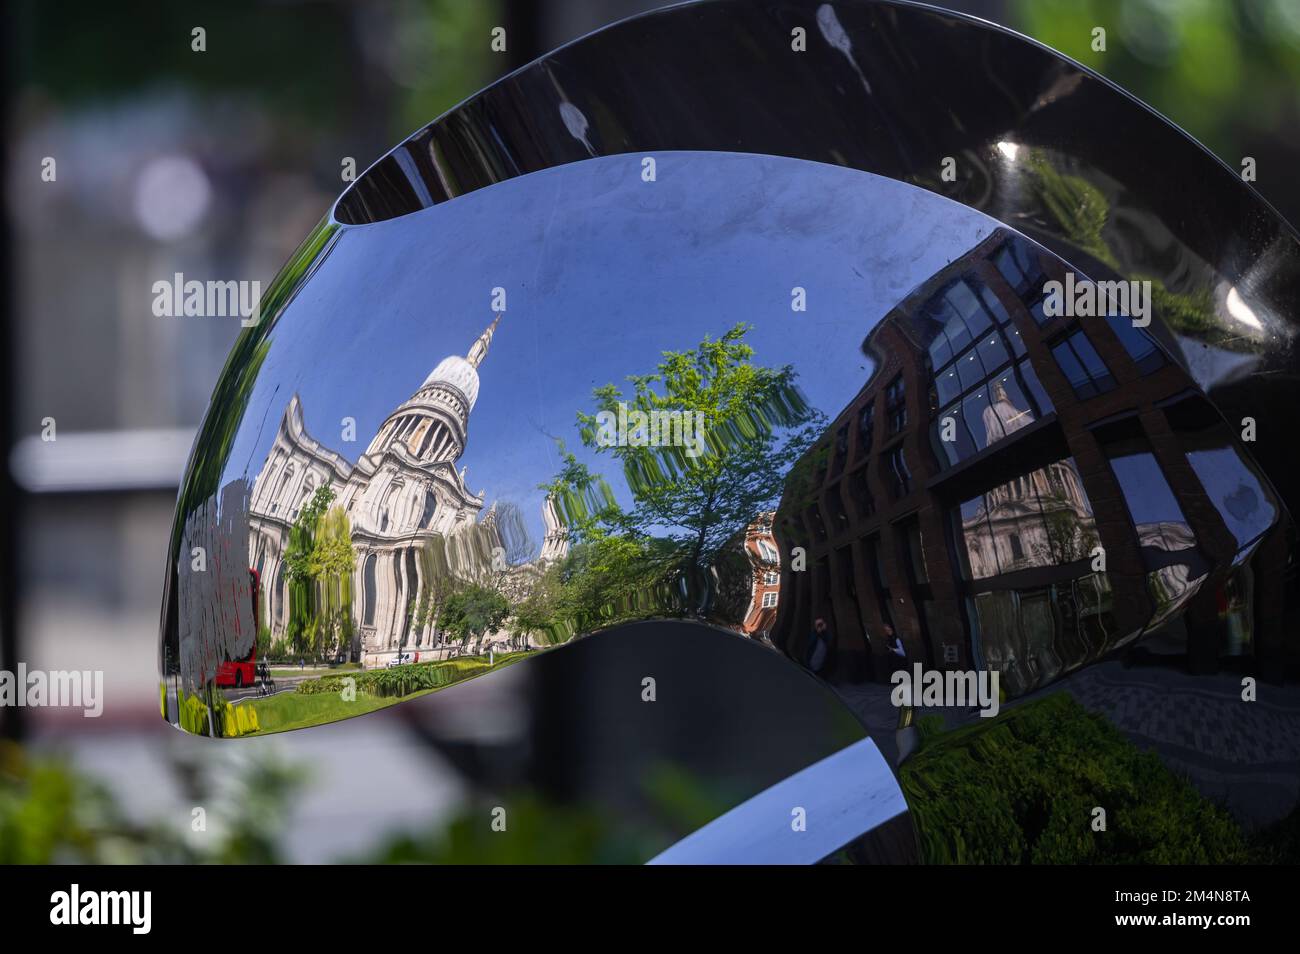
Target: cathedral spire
{"type": "Point", "coordinates": [478, 351]}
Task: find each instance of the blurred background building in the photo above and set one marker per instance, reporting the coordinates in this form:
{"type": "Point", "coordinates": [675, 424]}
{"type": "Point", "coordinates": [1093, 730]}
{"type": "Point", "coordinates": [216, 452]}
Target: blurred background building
{"type": "Point", "coordinates": [216, 164]}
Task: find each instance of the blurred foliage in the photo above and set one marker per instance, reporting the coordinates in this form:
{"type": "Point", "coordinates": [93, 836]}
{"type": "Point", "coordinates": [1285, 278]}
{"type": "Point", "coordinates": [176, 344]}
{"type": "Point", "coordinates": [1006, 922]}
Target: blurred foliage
{"type": "Point", "coordinates": [323, 63]}
{"type": "Point", "coordinates": [48, 814]}
{"type": "Point", "coordinates": [84, 54]}
{"type": "Point", "coordinates": [1022, 789]}
{"type": "Point", "coordinates": [1228, 71]}
{"type": "Point", "coordinates": [1079, 207]}
{"type": "Point", "coordinates": [535, 833]}
{"type": "Point", "coordinates": [1018, 790]}
{"type": "Point", "coordinates": [51, 813]}
{"type": "Point", "coordinates": [1081, 211]}
{"type": "Point", "coordinates": [539, 832]}
{"type": "Point", "coordinates": [440, 55]}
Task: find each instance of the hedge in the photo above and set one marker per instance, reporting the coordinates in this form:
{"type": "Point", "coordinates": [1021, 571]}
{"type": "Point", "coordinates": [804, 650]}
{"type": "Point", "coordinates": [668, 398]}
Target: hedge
{"type": "Point", "coordinates": [404, 680]}
{"type": "Point", "coordinates": [1023, 789]}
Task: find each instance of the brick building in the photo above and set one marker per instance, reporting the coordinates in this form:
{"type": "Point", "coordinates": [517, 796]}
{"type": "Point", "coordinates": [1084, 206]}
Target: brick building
{"type": "Point", "coordinates": [1026, 493]}
{"type": "Point", "coordinates": [765, 577]}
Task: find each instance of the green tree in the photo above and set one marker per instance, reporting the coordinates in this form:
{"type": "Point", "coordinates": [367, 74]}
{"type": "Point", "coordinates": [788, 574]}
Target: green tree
{"type": "Point", "coordinates": [756, 424]}
{"type": "Point", "coordinates": [302, 624]}
{"type": "Point", "coordinates": [618, 577]}
{"type": "Point", "coordinates": [330, 564]}
{"type": "Point", "coordinates": [473, 611]}
{"type": "Point", "coordinates": [319, 561]}
{"type": "Point", "coordinates": [538, 612]}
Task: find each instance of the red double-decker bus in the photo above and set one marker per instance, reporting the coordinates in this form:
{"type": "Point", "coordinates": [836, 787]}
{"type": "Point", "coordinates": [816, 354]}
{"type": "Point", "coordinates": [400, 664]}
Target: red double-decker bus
{"type": "Point", "coordinates": [243, 672]}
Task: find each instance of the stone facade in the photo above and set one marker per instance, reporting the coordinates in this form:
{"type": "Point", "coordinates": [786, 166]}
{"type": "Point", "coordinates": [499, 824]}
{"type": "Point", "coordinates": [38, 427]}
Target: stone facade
{"type": "Point", "coordinates": [411, 511]}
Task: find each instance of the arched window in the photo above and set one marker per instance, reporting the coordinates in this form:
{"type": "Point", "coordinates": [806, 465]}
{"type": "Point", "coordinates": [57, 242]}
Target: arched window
{"type": "Point", "coordinates": [284, 488]}
{"type": "Point", "coordinates": [369, 590]}
{"type": "Point", "coordinates": [412, 587]}
{"type": "Point", "coordinates": [384, 507]}
{"type": "Point", "coordinates": [280, 596]}
{"type": "Point", "coordinates": [308, 488]}
{"type": "Point", "coordinates": [430, 509]}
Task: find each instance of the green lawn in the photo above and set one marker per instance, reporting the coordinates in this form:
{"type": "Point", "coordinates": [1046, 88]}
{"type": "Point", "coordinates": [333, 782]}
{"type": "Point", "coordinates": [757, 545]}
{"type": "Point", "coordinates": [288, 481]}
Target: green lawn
{"type": "Point", "coordinates": [280, 672]}
{"type": "Point", "coordinates": [296, 710]}
{"type": "Point", "coordinates": [292, 710]}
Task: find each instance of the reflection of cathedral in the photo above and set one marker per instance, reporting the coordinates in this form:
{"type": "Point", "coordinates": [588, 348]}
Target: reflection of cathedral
{"type": "Point", "coordinates": [1041, 518]}
{"type": "Point", "coordinates": [404, 491]}
{"type": "Point", "coordinates": [1001, 417]}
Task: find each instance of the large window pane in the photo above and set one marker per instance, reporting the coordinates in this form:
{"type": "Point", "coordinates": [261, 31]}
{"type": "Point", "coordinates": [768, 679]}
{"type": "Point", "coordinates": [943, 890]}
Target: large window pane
{"type": "Point", "coordinates": [1141, 347]}
{"type": "Point", "coordinates": [1067, 513]}
{"type": "Point", "coordinates": [1038, 626]}
{"type": "Point", "coordinates": [1017, 341]}
{"type": "Point", "coordinates": [940, 351]}
{"type": "Point", "coordinates": [962, 446]}
{"type": "Point", "coordinates": [1151, 503]}
{"type": "Point", "coordinates": [1038, 311]}
{"type": "Point", "coordinates": [981, 556]}
{"type": "Point", "coordinates": [1235, 492]}
{"type": "Point", "coordinates": [1092, 362]}
{"type": "Point", "coordinates": [1009, 403]}
{"type": "Point", "coordinates": [1000, 642]}
{"type": "Point", "coordinates": [1041, 518]}
{"type": "Point", "coordinates": [993, 305]}
{"type": "Point", "coordinates": [992, 351]}
{"type": "Point", "coordinates": [1018, 264]}
{"type": "Point", "coordinates": [985, 428]}
{"type": "Point", "coordinates": [970, 370]}
{"type": "Point", "coordinates": [971, 309]}
{"type": "Point", "coordinates": [1030, 377]}
{"type": "Point", "coordinates": [1074, 371]}
{"type": "Point", "coordinates": [958, 334]}
{"type": "Point", "coordinates": [947, 385]}
{"type": "Point", "coordinates": [1009, 266]}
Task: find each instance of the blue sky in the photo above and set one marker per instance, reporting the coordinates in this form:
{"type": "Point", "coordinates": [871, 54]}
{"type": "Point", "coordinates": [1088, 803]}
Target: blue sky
{"type": "Point", "coordinates": [603, 272]}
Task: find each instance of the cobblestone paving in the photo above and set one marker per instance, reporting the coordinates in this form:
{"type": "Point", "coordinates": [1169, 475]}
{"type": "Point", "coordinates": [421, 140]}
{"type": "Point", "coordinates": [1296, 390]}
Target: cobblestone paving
{"type": "Point", "coordinates": [1205, 714]}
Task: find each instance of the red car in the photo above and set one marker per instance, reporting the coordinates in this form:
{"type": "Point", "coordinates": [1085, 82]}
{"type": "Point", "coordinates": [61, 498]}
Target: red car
{"type": "Point", "coordinates": [239, 673]}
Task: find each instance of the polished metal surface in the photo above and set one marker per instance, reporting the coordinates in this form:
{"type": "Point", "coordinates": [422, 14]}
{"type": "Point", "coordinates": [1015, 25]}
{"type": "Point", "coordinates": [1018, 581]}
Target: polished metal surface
{"type": "Point", "coordinates": [709, 333]}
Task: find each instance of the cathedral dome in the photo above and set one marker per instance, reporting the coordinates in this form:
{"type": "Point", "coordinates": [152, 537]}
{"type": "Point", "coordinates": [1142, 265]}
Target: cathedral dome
{"type": "Point", "coordinates": [457, 372]}
{"type": "Point", "coordinates": [462, 373]}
